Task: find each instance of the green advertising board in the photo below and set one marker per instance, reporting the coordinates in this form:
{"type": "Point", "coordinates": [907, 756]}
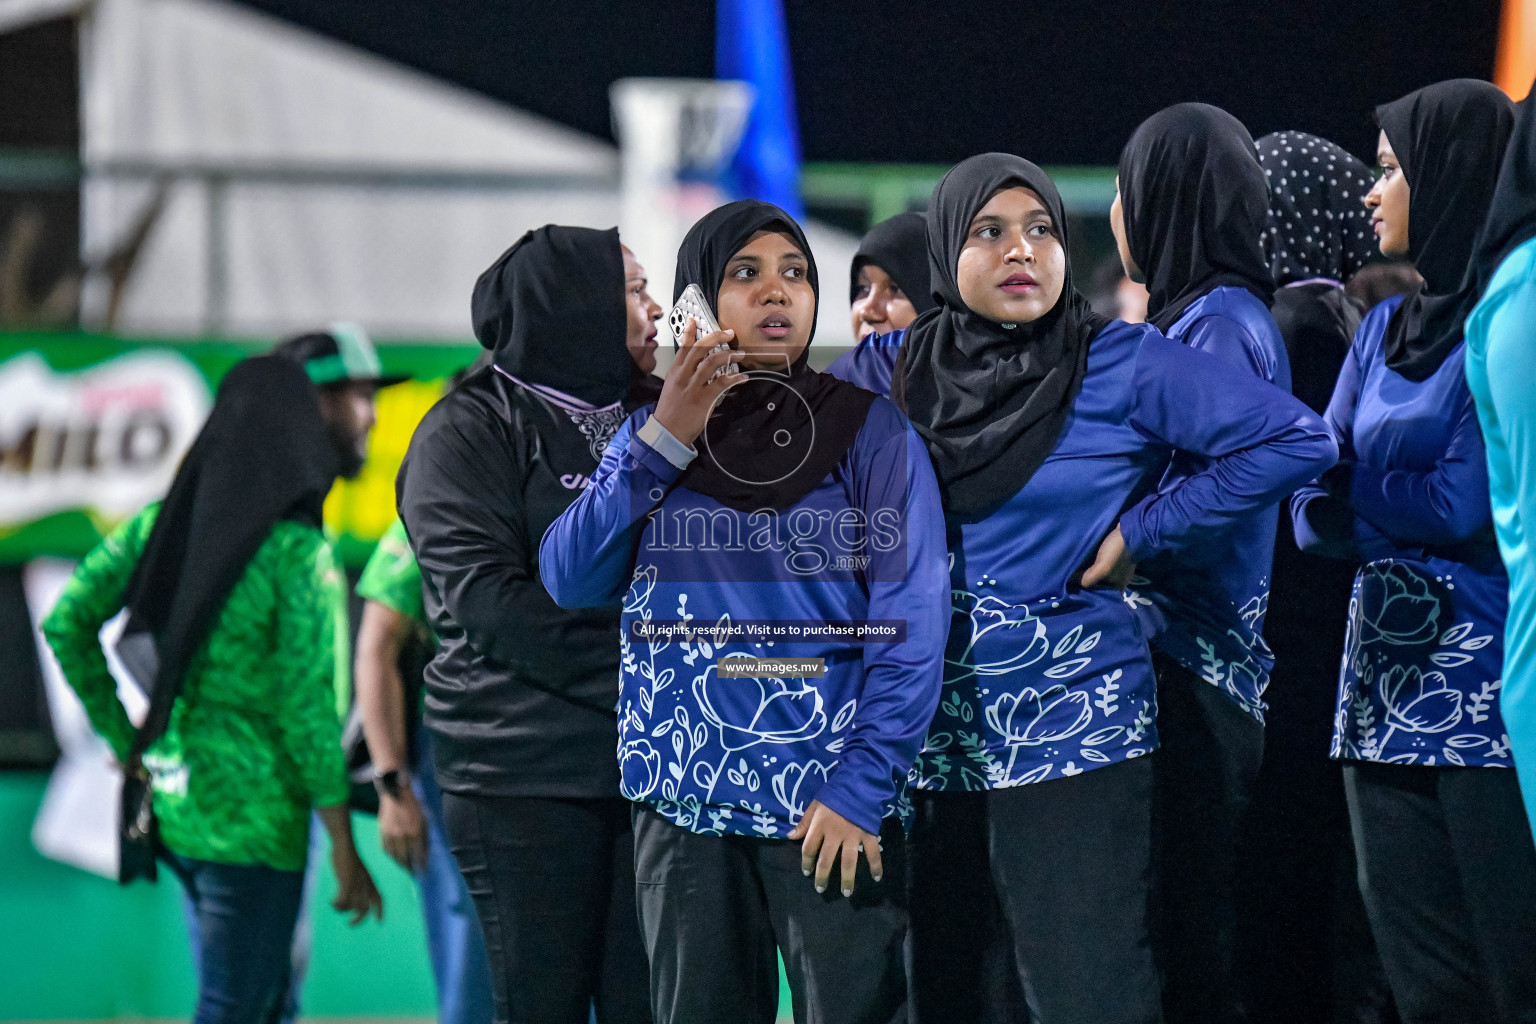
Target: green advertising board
{"type": "Point", "coordinates": [92, 428]}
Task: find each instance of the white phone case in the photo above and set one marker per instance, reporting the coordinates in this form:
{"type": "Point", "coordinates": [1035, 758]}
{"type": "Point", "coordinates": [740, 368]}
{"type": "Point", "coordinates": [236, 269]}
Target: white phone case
{"type": "Point", "coordinates": [691, 305]}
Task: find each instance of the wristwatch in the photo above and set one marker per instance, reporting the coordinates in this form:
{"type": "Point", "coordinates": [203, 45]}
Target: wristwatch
{"type": "Point", "coordinates": [389, 783]}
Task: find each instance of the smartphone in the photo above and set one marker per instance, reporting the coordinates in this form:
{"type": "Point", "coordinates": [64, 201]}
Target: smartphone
{"type": "Point", "coordinates": [691, 306]}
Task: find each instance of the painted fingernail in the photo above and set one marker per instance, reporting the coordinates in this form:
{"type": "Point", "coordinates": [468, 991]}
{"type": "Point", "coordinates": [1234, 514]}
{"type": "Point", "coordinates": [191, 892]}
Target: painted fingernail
{"type": "Point", "coordinates": [847, 892]}
{"type": "Point", "coordinates": [877, 877]}
{"type": "Point", "coordinates": [821, 888]}
{"type": "Point", "coordinates": [805, 872]}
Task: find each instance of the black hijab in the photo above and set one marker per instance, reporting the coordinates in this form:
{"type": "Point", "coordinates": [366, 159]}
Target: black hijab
{"type": "Point", "coordinates": [262, 456]}
{"type": "Point", "coordinates": [1318, 223]}
{"type": "Point", "coordinates": [551, 310]}
{"type": "Point", "coordinates": [1195, 203]}
{"type": "Point", "coordinates": [899, 246]}
{"type": "Point", "coordinates": [1449, 138]}
{"type": "Point", "coordinates": [989, 400]}
{"type": "Point", "coordinates": [1512, 213]}
{"type": "Point", "coordinates": [816, 415]}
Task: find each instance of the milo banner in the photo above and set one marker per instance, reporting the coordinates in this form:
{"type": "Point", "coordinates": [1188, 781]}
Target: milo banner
{"type": "Point", "coordinates": [92, 429]}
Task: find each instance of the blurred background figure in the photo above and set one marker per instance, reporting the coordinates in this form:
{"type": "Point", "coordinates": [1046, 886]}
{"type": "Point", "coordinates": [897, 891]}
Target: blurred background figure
{"type": "Point", "coordinates": [236, 592]}
{"type": "Point", "coordinates": [1379, 280]}
{"type": "Point", "coordinates": [332, 358]}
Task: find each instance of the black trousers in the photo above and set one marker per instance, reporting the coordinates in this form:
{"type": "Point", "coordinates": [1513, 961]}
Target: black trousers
{"type": "Point", "coordinates": [1448, 872]}
{"type": "Point", "coordinates": [715, 909]}
{"type": "Point", "coordinates": [962, 955]}
{"type": "Point", "coordinates": [1069, 865]}
{"type": "Point", "coordinates": [553, 883]}
{"type": "Point", "coordinates": [1205, 771]}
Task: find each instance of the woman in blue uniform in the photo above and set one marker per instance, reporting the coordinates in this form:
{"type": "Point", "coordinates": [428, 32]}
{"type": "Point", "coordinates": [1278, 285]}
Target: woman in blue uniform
{"type": "Point", "coordinates": [1447, 863]}
{"type": "Point", "coordinates": [765, 512]}
{"type": "Point", "coordinates": [1191, 207]}
{"type": "Point", "coordinates": [1043, 421]}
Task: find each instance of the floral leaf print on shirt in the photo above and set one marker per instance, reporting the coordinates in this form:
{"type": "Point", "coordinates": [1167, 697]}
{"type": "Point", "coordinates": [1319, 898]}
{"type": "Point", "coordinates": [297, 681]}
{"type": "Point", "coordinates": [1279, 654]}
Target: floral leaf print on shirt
{"type": "Point", "coordinates": [1417, 687]}
{"type": "Point", "coordinates": [792, 784]}
{"type": "Point", "coordinates": [1399, 605]}
{"type": "Point", "coordinates": [1023, 703]}
{"type": "Point", "coordinates": [715, 754]}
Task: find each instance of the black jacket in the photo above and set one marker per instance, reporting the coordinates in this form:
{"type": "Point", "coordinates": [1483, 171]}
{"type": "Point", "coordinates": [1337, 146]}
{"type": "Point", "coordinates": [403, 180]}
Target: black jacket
{"type": "Point", "coordinates": [1309, 594]}
{"type": "Point", "coordinates": [520, 697]}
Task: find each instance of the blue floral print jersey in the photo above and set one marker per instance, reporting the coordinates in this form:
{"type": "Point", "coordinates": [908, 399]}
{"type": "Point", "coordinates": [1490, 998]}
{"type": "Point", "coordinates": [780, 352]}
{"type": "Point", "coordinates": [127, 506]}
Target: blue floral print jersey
{"type": "Point", "coordinates": [1423, 660]}
{"type": "Point", "coordinates": [1043, 679]}
{"type": "Point", "coordinates": [1205, 609]}
{"type": "Point", "coordinates": [719, 754]}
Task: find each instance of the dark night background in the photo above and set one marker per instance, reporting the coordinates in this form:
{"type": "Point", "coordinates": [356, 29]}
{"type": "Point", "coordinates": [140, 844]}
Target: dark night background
{"type": "Point", "coordinates": [1058, 81]}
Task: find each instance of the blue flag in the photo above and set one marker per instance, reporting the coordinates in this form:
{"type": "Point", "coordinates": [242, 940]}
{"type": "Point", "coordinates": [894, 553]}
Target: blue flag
{"type": "Point", "coordinates": [752, 45]}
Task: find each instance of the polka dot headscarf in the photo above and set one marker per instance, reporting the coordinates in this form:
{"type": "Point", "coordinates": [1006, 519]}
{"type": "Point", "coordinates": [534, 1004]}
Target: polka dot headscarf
{"type": "Point", "coordinates": [1318, 224]}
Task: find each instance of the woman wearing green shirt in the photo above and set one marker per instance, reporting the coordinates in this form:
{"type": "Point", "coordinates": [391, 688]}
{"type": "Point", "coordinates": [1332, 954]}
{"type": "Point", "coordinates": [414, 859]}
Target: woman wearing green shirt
{"type": "Point", "coordinates": [243, 598]}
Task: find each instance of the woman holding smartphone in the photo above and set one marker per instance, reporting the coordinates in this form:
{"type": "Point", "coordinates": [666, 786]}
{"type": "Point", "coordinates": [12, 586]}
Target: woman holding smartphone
{"type": "Point", "coordinates": [1043, 420]}
{"type": "Point", "coordinates": [769, 511]}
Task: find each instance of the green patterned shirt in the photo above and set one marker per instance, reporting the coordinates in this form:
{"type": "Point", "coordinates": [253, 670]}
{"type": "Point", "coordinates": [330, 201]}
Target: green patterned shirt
{"type": "Point", "coordinates": [254, 739]}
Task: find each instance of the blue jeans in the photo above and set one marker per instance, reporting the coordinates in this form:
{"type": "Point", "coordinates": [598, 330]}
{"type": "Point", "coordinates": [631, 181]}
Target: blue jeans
{"type": "Point", "coordinates": [242, 919]}
{"type": "Point", "coordinates": [460, 968]}
{"type": "Point", "coordinates": [454, 940]}
{"type": "Point", "coordinates": [296, 965]}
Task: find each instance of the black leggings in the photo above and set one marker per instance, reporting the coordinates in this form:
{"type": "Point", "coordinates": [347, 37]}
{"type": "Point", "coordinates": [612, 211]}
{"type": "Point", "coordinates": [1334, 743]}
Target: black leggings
{"type": "Point", "coordinates": [554, 884]}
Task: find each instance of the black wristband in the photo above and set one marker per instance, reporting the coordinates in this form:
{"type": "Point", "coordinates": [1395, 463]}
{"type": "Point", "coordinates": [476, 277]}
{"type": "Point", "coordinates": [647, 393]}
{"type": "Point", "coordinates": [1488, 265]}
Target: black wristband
{"type": "Point", "coordinates": [389, 783]}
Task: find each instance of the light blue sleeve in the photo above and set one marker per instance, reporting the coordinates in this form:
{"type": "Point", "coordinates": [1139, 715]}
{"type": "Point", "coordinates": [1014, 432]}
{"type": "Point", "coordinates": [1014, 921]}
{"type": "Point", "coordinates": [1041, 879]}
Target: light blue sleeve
{"type": "Point", "coordinates": [1511, 362]}
{"type": "Point", "coordinates": [1510, 355]}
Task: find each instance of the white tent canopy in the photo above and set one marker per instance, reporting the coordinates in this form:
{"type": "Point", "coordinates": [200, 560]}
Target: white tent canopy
{"type": "Point", "coordinates": [309, 181]}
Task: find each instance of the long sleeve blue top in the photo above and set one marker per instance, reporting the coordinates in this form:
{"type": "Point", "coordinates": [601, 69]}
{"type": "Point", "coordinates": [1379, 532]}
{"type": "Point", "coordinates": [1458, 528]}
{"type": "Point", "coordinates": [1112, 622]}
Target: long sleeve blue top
{"type": "Point", "coordinates": [1423, 657]}
{"type": "Point", "coordinates": [1205, 609]}
{"type": "Point", "coordinates": [1042, 678]}
{"type": "Point", "coordinates": [1501, 372]}
{"type": "Point", "coordinates": [717, 754]}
